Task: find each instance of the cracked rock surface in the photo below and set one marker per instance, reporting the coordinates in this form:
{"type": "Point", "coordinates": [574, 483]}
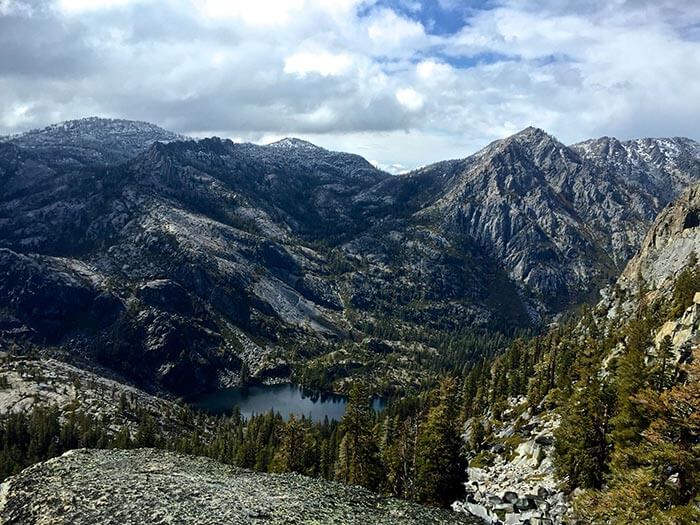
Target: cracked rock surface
{"type": "Point", "coordinates": [148, 486]}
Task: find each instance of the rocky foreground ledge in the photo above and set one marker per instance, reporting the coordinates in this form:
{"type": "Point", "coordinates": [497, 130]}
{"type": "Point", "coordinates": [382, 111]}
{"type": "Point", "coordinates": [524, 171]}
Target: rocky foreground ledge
{"type": "Point", "coordinates": [149, 486]}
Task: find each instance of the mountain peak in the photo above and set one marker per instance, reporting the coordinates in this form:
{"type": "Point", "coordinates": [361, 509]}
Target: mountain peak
{"type": "Point", "coordinates": [294, 143]}
{"type": "Point", "coordinates": [94, 140]}
{"type": "Point", "coordinates": [531, 134]}
{"type": "Point", "coordinates": [101, 126]}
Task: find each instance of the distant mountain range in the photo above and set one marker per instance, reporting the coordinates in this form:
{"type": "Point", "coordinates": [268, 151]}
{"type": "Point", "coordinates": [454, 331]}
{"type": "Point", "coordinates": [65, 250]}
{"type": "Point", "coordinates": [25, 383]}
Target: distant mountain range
{"type": "Point", "coordinates": [124, 243]}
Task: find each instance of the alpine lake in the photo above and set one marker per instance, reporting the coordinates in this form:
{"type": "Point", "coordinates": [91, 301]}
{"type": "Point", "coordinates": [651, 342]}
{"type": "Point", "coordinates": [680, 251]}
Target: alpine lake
{"type": "Point", "coordinates": [286, 399]}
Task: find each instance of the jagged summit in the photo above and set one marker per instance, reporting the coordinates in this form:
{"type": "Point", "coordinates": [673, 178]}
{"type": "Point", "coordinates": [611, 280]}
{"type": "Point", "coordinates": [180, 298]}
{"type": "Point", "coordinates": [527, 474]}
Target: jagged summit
{"type": "Point", "coordinates": [529, 138]}
{"type": "Point", "coordinates": [294, 143]}
{"type": "Point", "coordinates": [532, 137]}
{"type": "Point", "coordinates": [638, 151]}
{"type": "Point", "coordinates": [532, 132]}
{"type": "Point", "coordinates": [664, 167]}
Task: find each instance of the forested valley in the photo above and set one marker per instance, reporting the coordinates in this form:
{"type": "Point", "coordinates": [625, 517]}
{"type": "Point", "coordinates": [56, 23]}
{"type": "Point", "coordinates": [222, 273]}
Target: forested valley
{"type": "Point", "coordinates": [629, 432]}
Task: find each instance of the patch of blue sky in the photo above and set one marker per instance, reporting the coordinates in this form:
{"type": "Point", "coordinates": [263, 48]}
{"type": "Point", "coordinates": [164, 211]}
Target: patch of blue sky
{"type": "Point", "coordinates": [690, 32]}
{"type": "Point", "coordinates": [477, 59]}
{"type": "Point", "coordinates": [439, 17]}
{"type": "Point", "coordinates": [558, 58]}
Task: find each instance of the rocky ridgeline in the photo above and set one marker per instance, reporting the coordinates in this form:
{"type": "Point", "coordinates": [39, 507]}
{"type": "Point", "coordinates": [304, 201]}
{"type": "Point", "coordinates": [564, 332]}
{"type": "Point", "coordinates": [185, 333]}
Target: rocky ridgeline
{"type": "Point", "coordinates": [147, 486]}
{"type": "Point", "coordinates": [31, 382]}
{"type": "Point", "coordinates": [92, 140]}
{"type": "Point", "coordinates": [515, 482]}
{"type": "Point", "coordinates": [201, 259]}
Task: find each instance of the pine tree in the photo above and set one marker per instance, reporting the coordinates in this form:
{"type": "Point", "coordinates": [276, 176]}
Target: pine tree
{"type": "Point", "coordinates": [440, 465]}
{"type": "Point", "coordinates": [672, 441]}
{"type": "Point", "coordinates": [358, 457]}
{"type": "Point", "coordinates": [581, 450]}
{"type": "Point", "coordinates": [478, 434]}
{"type": "Point", "coordinates": [631, 378]}
{"type": "Point", "coordinates": [663, 371]}
{"type": "Point", "coordinates": [399, 458]}
{"type": "Point", "coordinates": [147, 433]}
{"type": "Point", "coordinates": [665, 476]}
{"type": "Point", "coordinates": [291, 454]}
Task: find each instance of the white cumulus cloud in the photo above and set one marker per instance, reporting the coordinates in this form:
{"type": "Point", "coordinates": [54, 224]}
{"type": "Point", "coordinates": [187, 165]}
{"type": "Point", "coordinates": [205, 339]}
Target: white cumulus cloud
{"type": "Point", "coordinates": [410, 99]}
{"type": "Point", "coordinates": [374, 77]}
{"type": "Point", "coordinates": [323, 63]}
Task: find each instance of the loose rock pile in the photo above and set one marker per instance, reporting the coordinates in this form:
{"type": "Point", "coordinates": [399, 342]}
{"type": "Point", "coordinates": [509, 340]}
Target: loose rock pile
{"type": "Point", "coordinates": [510, 508]}
{"type": "Point", "coordinates": [519, 487]}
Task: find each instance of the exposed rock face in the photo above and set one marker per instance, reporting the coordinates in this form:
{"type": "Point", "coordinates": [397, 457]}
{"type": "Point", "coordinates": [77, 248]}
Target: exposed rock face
{"type": "Point", "coordinates": [194, 257]}
{"type": "Point", "coordinates": [147, 486]}
{"type": "Point", "coordinates": [54, 296]}
{"type": "Point", "coordinates": [669, 244]}
{"type": "Point", "coordinates": [42, 382]}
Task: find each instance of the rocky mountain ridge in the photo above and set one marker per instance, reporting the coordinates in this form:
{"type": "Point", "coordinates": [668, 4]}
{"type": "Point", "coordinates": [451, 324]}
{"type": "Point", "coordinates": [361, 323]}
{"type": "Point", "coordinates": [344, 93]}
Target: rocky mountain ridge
{"type": "Point", "coordinates": [92, 140]}
{"type": "Point", "coordinates": [285, 254]}
{"type": "Point", "coordinates": [562, 220]}
{"type": "Point", "coordinates": [662, 167]}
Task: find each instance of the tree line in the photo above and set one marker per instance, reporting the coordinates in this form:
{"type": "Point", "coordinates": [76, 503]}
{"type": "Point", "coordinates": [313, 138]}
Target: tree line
{"type": "Point", "coordinates": [412, 450]}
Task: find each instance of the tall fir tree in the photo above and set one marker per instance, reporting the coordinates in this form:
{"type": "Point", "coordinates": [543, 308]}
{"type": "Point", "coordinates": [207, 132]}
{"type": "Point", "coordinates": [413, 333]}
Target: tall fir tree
{"type": "Point", "coordinates": [581, 448]}
{"type": "Point", "coordinates": [440, 465]}
{"type": "Point", "coordinates": [358, 456]}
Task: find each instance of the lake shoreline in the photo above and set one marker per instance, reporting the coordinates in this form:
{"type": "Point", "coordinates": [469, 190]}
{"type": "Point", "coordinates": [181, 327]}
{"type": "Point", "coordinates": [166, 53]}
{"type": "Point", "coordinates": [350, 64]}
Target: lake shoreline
{"type": "Point", "coordinates": [285, 398]}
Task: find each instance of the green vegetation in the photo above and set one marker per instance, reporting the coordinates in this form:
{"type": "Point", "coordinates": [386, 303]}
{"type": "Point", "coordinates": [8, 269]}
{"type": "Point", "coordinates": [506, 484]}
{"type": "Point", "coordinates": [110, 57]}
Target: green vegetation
{"type": "Point", "coordinates": [439, 468]}
{"type": "Point", "coordinates": [629, 438]}
{"type": "Point", "coordinates": [630, 429]}
{"type": "Point", "coordinates": [411, 450]}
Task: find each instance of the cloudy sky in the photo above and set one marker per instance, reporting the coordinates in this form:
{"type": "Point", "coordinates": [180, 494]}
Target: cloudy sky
{"type": "Point", "coordinates": [401, 82]}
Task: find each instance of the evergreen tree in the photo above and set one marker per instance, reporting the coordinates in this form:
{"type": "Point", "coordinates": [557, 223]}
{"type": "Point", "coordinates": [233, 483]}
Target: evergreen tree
{"type": "Point", "coordinates": [665, 476]}
{"type": "Point", "coordinates": [358, 457]}
{"type": "Point", "coordinates": [147, 432]}
{"type": "Point", "coordinates": [662, 374]}
{"type": "Point", "coordinates": [581, 451]}
{"type": "Point", "coordinates": [631, 378]}
{"type": "Point", "coordinates": [440, 466]}
{"type": "Point", "coordinates": [292, 452]}
{"type": "Point", "coordinates": [399, 457]}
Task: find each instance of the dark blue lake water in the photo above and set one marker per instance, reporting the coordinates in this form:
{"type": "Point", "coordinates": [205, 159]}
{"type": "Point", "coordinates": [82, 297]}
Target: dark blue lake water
{"type": "Point", "coordinates": [286, 399]}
